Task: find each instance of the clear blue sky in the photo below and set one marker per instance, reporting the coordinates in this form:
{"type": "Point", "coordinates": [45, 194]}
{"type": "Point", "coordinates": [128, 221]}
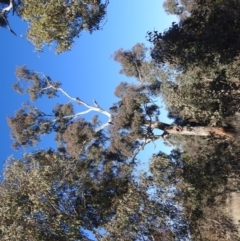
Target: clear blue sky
{"type": "Point", "coordinates": [87, 71]}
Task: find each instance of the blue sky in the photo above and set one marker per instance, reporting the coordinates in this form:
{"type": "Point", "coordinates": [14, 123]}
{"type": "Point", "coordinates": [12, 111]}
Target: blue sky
{"type": "Point", "coordinates": [87, 71]}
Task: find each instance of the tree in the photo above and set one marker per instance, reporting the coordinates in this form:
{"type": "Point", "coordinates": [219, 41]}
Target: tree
{"type": "Point", "coordinates": [172, 7]}
{"type": "Point", "coordinates": [209, 174]}
{"type": "Point", "coordinates": [57, 22]}
{"type": "Point", "coordinates": [131, 121]}
{"type": "Point", "coordinates": [205, 98]}
{"type": "Point", "coordinates": [203, 39]}
{"type": "Point", "coordinates": [90, 178]}
{"type": "Point", "coordinates": [91, 175]}
{"type": "Point", "coordinates": [205, 173]}
{"type": "Point", "coordinates": [157, 216]}
{"type": "Point", "coordinates": [208, 98]}
{"type": "Point", "coordinates": [88, 183]}
{"type": "Point", "coordinates": [48, 196]}
{"type": "Point", "coordinates": [137, 63]}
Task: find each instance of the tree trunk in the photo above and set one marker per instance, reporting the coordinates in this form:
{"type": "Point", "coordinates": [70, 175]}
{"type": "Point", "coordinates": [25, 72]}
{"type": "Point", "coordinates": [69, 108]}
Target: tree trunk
{"type": "Point", "coordinates": [232, 208]}
{"type": "Point", "coordinates": [190, 130]}
{"type": "Point", "coordinates": [199, 131]}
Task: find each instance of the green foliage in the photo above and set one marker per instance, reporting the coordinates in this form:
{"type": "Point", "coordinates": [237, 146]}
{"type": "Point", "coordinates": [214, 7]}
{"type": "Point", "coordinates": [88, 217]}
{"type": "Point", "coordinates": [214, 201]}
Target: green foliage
{"type": "Point", "coordinates": [48, 196]}
{"type": "Point", "coordinates": [203, 39]}
{"type": "Point", "coordinates": [206, 98]}
{"type": "Point", "coordinates": [59, 22]}
{"type": "Point", "coordinates": [131, 61]}
{"type": "Point", "coordinates": [34, 84]}
{"type": "Point", "coordinates": [129, 117]}
{"type": "Point", "coordinates": [209, 170]}
{"type": "Point", "coordinates": [99, 164]}
{"type": "Point", "coordinates": [137, 63]}
{"type": "Point", "coordinates": [77, 134]}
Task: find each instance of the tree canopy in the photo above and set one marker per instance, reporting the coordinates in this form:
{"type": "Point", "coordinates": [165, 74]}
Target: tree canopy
{"type": "Point", "coordinates": [91, 183]}
{"type": "Point", "coordinates": [204, 39]}
{"type": "Point", "coordinates": [56, 22]}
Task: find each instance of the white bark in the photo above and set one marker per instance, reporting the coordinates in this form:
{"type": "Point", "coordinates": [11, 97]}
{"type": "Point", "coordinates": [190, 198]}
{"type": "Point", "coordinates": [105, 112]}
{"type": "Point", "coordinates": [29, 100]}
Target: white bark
{"type": "Point", "coordinates": [9, 7]}
{"type": "Point", "coordinates": [90, 108]}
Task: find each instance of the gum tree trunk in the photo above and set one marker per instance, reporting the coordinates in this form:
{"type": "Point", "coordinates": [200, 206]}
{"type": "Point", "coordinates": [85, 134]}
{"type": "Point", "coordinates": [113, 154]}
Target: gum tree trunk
{"type": "Point", "coordinates": [199, 131]}
{"type": "Point", "coordinates": [190, 130]}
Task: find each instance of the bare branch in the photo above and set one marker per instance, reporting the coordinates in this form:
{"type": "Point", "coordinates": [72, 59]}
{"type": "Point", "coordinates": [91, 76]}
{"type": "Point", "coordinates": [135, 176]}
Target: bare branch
{"type": "Point", "coordinates": [90, 108]}
{"type": "Point", "coordinates": [8, 25]}
{"type": "Point", "coordinates": [3, 15]}
{"type": "Point", "coordinates": [8, 8]}
{"type": "Point", "coordinates": [95, 103]}
{"type": "Point", "coordinates": [145, 142]}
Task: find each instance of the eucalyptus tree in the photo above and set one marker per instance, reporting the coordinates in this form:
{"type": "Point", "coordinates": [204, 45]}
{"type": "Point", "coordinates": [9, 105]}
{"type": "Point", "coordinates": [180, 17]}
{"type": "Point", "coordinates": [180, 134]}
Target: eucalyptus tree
{"type": "Point", "coordinates": [91, 179]}
{"type": "Point", "coordinates": [88, 184]}
{"type": "Point", "coordinates": [56, 22]}
{"type": "Point", "coordinates": [131, 121]}
{"type": "Point", "coordinates": [203, 97]}
{"type": "Point", "coordinates": [207, 166]}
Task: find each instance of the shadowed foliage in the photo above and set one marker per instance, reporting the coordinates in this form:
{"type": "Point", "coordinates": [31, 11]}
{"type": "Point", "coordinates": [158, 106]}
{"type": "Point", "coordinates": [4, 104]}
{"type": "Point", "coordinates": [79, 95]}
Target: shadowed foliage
{"type": "Point", "coordinates": [202, 39]}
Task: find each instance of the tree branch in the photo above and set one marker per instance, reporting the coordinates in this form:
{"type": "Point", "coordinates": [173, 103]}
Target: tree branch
{"type": "Point", "coordinates": [3, 15]}
{"type": "Point", "coordinates": [8, 8]}
{"type": "Point", "coordinates": [90, 108]}
{"type": "Point", "coordinates": [148, 140]}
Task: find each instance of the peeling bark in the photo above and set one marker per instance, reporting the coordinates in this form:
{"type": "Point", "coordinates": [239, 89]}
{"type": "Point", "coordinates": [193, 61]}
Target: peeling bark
{"type": "Point", "coordinates": [199, 131]}
{"type": "Point", "coordinates": [189, 130]}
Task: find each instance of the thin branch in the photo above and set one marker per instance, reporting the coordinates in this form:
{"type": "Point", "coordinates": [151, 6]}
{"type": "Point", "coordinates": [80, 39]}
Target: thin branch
{"type": "Point", "coordinates": [75, 115]}
{"type": "Point", "coordinates": [8, 25]}
{"type": "Point", "coordinates": [139, 73]}
{"type": "Point", "coordinates": [145, 142]}
{"type": "Point", "coordinates": [96, 108]}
